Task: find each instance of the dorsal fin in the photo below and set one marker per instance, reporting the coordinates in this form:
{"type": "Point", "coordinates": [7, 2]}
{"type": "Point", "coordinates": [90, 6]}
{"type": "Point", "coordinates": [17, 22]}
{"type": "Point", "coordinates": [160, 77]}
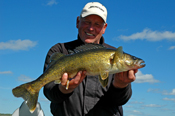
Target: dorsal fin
{"type": "Point", "coordinates": [88, 46]}
{"type": "Point", "coordinates": [55, 56]}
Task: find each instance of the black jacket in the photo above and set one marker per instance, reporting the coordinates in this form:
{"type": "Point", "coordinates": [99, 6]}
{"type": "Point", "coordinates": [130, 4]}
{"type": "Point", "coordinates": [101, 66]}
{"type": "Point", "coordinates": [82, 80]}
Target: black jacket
{"type": "Point", "coordinates": [89, 98]}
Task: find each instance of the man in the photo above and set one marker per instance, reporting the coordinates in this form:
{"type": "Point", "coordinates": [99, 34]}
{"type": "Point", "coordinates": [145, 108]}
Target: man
{"type": "Point", "coordinates": [86, 96]}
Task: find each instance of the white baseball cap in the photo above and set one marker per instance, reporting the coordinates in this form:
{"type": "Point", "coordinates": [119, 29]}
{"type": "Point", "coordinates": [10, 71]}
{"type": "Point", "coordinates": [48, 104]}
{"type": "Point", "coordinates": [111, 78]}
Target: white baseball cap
{"type": "Point", "coordinates": [94, 8]}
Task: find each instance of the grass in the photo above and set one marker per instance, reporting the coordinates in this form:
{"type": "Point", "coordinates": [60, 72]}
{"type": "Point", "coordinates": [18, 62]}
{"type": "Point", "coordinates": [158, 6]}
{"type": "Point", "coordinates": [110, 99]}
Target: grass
{"type": "Point", "coordinates": [5, 114]}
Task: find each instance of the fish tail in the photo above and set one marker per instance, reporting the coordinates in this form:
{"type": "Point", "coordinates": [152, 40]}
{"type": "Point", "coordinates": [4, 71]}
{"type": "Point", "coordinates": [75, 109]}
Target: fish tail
{"type": "Point", "coordinates": [28, 94]}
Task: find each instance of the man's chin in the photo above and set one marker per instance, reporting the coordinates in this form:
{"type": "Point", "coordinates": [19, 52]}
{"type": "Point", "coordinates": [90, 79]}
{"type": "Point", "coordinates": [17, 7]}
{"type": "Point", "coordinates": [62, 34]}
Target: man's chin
{"type": "Point", "coordinates": [90, 41]}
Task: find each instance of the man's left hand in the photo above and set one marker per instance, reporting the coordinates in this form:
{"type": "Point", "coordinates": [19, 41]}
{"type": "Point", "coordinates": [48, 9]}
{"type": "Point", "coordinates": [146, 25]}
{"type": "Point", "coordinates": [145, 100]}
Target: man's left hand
{"type": "Point", "coordinates": [121, 80]}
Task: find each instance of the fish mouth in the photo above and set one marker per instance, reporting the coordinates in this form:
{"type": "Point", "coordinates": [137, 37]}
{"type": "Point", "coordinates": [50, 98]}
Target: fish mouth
{"type": "Point", "coordinates": [141, 63]}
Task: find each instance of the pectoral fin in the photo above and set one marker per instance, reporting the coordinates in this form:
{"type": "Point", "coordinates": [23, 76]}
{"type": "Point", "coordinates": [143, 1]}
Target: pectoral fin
{"type": "Point", "coordinates": [103, 78]}
{"type": "Point", "coordinates": [104, 82]}
{"type": "Point", "coordinates": [119, 51]}
{"type": "Point", "coordinates": [104, 75]}
{"type": "Point", "coordinates": [118, 54]}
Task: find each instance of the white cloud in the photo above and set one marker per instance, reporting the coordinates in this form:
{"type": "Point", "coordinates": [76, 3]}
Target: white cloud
{"type": "Point", "coordinates": [173, 92]}
{"type": "Point", "coordinates": [128, 106]}
{"type": "Point", "coordinates": [172, 47]}
{"type": "Point", "coordinates": [17, 44]}
{"type": "Point", "coordinates": [169, 99]}
{"type": "Point", "coordinates": [6, 72]}
{"type": "Point", "coordinates": [164, 92]}
{"type": "Point", "coordinates": [135, 102]}
{"type": "Point", "coordinates": [155, 90]}
{"type": "Point", "coordinates": [24, 78]}
{"type": "Point", "coordinates": [150, 35]}
{"type": "Point", "coordinates": [159, 47]}
{"type": "Point", "coordinates": [145, 78]}
{"type": "Point", "coordinates": [52, 2]}
{"type": "Point", "coordinates": [152, 105]}
{"type": "Point", "coordinates": [170, 93]}
{"type": "Point", "coordinates": [134, 112]}
{"type": "Point", "coordinates": [167, 109]}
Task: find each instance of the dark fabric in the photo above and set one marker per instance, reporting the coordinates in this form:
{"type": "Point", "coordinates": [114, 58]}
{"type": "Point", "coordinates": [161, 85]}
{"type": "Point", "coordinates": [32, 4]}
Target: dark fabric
{"type": "Point", "coordinates": [89, 98]}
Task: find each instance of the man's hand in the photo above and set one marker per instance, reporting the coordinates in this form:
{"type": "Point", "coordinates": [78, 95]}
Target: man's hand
{"type": "Point", "coordinates": [121, 80]}
{"type": "Point", "coordinates": [73, 83]}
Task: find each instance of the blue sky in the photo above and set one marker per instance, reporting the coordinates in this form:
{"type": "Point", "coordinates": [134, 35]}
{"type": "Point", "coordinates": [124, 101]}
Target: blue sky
{"type": "Point", "coordinates": [145, 28]}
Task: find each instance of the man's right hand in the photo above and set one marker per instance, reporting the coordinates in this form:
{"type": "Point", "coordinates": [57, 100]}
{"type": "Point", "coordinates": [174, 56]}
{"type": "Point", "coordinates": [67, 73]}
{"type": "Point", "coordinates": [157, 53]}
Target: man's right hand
{"type": "Point", "coordinates": [73, 83]}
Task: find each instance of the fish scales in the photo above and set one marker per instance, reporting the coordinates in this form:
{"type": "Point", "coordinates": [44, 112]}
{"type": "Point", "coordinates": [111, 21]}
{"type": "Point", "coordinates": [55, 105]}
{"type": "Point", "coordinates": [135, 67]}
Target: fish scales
{"type": "Point", "coordinates": [96, 61]}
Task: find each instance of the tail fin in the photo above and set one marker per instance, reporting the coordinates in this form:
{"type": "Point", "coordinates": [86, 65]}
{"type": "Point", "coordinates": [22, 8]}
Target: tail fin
{"type": "Point", "coordinates": [28, 94]}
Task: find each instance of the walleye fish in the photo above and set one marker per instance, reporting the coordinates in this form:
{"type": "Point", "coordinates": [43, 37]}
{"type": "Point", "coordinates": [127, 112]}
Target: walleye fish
{"type": "Point", "coordinates": [96, 60]}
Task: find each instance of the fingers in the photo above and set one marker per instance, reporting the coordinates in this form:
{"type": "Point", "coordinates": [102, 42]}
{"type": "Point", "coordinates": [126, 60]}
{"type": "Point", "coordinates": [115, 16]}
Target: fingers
{"type": "Point", "coordinates": [64, 79]}
{"type": "Point", "coordinates": [135, 71]}
{"type": "Point", "coordinates": [131, 75]}
{"type": "Point", "coordinates": [75, 81]}
{"type": "Point", "coordinates": [83, 75]}
{"type": "Point", "coordinates": [79, 77]}
{"type": "Point", "coordinates": [128, 75]}
{"type": "Point", "coordinates": [122, 79]}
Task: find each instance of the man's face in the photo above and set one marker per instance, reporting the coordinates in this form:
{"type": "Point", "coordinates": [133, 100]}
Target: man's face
{"type": "Point", "coordinates": [91, 28]}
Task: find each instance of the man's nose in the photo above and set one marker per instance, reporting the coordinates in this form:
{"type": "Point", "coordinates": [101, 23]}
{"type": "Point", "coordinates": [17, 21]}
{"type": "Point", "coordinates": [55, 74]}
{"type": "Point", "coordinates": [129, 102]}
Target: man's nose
{"type": "Point", "coordinates": [91, 27]}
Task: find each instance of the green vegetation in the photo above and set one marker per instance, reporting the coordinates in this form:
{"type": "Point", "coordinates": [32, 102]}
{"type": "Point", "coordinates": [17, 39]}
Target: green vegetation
{"type": "Point", "coordinates": [5, 114]}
